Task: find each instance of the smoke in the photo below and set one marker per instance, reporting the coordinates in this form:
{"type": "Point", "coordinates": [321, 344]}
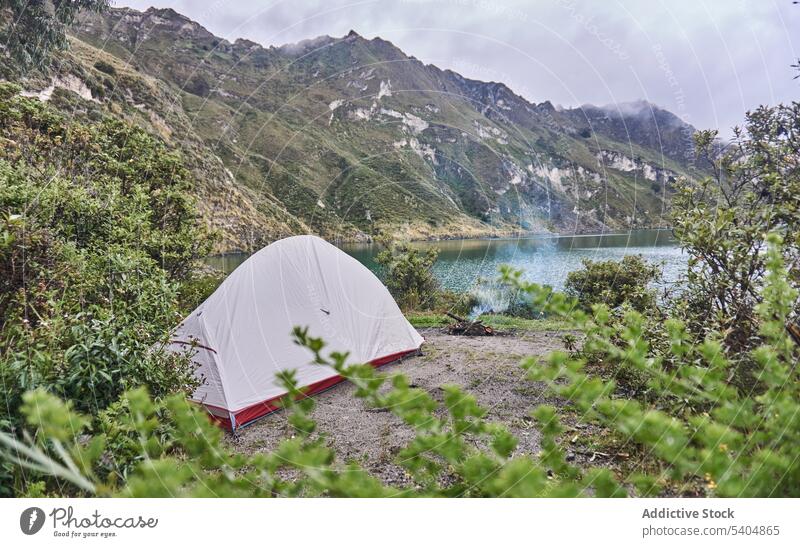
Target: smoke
{"type": "Point", "coordinates": [491, 297]}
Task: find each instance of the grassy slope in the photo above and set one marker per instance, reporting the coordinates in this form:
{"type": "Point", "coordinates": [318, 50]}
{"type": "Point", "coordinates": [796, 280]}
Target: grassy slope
{"type": "Point", "coordinates": [273, 158]}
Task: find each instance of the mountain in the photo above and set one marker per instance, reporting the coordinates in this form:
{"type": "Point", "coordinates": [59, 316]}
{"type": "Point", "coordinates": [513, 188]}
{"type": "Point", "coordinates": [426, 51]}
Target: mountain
{"type": "Point", "coordinates": [347, 137]}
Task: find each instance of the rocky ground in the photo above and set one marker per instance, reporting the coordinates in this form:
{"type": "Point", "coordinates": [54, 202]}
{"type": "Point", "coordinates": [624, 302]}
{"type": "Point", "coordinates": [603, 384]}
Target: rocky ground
{"type": "Point", "coordinates": [487, 367]}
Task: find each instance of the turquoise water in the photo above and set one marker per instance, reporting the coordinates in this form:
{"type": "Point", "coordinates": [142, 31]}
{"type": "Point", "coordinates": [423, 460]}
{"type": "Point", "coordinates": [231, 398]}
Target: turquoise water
{"type": "Point", "coordinates": [545, 259]}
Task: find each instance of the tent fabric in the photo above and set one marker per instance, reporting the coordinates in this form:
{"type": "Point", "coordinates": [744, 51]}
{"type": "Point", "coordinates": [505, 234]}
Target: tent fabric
{"type": "Point", "coordinates": [240, 337]}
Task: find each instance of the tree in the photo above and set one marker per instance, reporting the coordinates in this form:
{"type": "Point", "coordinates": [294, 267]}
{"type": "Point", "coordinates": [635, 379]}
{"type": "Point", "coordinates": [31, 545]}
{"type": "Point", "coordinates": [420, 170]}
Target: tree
{"type": "Point", "coordinates": [721, 221]}
{"type": "Point", "coordinates": [35, 28]}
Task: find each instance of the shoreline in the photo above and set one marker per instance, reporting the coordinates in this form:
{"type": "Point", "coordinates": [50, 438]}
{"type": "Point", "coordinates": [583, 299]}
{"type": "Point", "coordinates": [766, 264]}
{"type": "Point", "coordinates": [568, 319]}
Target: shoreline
{"type": "Point", "coordinates": [348, 243]}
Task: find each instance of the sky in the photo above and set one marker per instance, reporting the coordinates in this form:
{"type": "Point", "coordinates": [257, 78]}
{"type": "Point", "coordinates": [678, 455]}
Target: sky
{"type": "Point", "coordinates": [707, 61]}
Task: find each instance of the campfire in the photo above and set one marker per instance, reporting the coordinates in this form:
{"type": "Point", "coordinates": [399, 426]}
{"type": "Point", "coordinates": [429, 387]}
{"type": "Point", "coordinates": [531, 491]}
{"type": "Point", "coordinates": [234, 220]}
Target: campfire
{"type": "Point", "coordinates": [465, 327]}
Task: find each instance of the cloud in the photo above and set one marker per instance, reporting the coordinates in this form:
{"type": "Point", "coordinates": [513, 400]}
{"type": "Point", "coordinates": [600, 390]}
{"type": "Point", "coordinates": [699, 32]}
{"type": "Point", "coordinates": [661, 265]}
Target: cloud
{"type": "Point", "coordinates": [707, 61]}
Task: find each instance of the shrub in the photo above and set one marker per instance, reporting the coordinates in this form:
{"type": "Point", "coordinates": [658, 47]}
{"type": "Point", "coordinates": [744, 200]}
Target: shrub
{"type": "Point", "coordinates": [38, 29]}
{"type": "Point", "coordinates": [97, 185]}
{"type": "Point", "coordinates": [614, 283]}
{"type": "Point", "coordinates": [408, 274]}
{"type": "Point", "coordinates": [706, 436]}
{"type": "Point", "coordinates": [97, 231]}
{"type": "Point", "coordinates": [106, 68]}
{"type": "Point", "coordinates": [721, 221]}
{"type": "Point", "coordinates": [197, 288]}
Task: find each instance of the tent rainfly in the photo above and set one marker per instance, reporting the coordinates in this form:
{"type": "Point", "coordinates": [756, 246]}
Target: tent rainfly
{"type": "Point", "coordinates": [240, 337]}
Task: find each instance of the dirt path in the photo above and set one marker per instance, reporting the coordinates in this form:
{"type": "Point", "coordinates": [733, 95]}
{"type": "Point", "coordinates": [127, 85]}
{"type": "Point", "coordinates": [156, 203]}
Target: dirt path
{"type": "Point", "coordinates": [487, 367]}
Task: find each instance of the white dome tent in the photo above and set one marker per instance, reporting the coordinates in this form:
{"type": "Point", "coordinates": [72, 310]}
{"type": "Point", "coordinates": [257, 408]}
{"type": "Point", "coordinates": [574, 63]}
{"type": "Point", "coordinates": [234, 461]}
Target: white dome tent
{"type": "Point", "coordinates": [241, 335]}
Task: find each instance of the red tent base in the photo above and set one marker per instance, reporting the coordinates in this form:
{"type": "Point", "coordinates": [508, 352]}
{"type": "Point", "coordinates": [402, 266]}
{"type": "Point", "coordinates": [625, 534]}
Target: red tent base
{"type": "Point", "coordinates": [248, 415]}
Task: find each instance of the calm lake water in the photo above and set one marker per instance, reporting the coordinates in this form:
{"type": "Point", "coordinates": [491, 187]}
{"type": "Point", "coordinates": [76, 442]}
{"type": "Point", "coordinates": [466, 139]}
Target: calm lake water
{"type": "Point", "coordinates": [545, 259]}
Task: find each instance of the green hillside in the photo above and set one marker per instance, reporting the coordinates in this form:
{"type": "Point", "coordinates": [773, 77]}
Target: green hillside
{"type": "Point", "coordinates": [348, 137]}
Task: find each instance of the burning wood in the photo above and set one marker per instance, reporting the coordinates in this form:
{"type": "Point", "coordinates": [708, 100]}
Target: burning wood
{"type": "Point", "coordinates": [464, 327]}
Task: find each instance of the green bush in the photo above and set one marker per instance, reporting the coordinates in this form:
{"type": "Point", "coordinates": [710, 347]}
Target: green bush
{"type": "Point", "coordinates": [408, 274]}
{"type": "Point", "coordinates": [614, 283]}
{"type": "Point", "coordinates": [197, 288]}
{"type": "Point", "coordinates": [31, 31]}
{"type": "Point", "coordinates": [106, 68]}
{"type": "Point", "coordinates": [96, 235]}
{"type": "Point", "coordinates": [705, 435]}
{"type": "Point", "coordinates": [721, 221]}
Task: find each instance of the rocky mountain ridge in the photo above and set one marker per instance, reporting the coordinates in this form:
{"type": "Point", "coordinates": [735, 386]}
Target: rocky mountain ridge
{"type": "Point", "coordinates": [348, 137]}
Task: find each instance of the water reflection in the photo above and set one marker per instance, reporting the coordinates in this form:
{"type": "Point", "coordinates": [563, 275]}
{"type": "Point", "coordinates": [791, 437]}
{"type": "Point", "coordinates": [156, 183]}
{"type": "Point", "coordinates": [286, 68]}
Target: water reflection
{"type": "Point", "coordinates": [545, 260]}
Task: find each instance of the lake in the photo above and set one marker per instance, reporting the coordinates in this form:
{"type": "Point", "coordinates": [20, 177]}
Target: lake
{"type": "Point", "coordinates": [545, 259]}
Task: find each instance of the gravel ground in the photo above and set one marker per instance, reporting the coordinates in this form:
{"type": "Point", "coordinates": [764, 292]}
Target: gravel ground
{"type": "Point", "coordinates": [488, 367]}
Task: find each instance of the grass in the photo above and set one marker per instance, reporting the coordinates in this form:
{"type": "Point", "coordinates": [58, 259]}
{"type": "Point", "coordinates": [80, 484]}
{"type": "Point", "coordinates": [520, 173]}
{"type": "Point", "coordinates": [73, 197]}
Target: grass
{"type": "Point", "coordinates": [498, 322]}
